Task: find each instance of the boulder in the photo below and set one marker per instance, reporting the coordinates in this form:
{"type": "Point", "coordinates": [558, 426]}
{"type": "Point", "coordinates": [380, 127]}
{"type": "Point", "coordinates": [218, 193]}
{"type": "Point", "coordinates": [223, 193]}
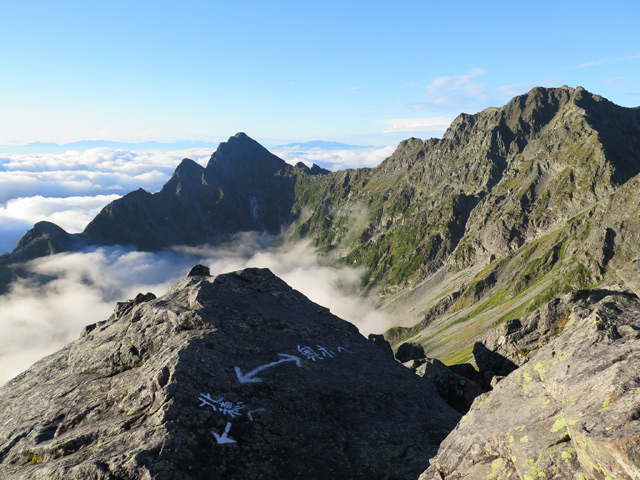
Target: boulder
{"type": "Point", "coordinates": [199, 270]}
{"type": "Point", "coordinates": [379, 341]}
{"type": "Point", "coordinates": [410, 351]}
{"type": "Point", "coordinates": [570, 412]}
{"type": "Point", "coordinates": [456, 390]}
{"type": "Point", "coordinates": [511, 344]}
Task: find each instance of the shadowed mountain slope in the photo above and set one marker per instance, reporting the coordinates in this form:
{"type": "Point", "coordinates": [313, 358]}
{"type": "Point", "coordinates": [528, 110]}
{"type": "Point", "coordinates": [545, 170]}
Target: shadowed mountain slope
{"type": "Point", "coordinates": [244, 187]}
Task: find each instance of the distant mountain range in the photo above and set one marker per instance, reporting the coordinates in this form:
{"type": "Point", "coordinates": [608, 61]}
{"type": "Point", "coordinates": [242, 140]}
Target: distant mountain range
{"type": "Point", "coordinates": [50, 147]}
{"type": "Point", "coordinates": [322, 145]}
{"type": "Point", "coordinates": [523, 202]}
{"type": "Point", "coordinates": [152, 146]}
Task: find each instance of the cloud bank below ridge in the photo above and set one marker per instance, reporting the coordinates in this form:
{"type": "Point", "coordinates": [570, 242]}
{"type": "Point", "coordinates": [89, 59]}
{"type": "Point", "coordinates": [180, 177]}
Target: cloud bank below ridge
{"type": "Point", "coordinates": [39, 319]}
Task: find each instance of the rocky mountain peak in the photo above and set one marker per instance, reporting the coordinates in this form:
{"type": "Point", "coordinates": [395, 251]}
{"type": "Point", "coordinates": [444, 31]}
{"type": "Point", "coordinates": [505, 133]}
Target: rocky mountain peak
{"type": "Point", "coordinates": [186, 177]}
{"type": "Point", "coordinates": [241, 155]}
{"type": "Point", "coordinates": [229, 376]}
{"type": "Point", "coordinates": [313, 170]}
{"type": "Point", "coordinates": [45, 238]}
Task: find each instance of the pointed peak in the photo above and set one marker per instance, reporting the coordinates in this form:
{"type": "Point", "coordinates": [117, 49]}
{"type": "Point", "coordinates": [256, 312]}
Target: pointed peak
{"type": "Point", "coordinates": [188, 165]}
{"type": "Point", "coordinates": [243, 153]}
{"type": "Point", "coordinates": [44, 238]}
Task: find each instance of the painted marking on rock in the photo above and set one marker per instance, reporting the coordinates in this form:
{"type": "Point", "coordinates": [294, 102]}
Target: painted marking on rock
{"type": "Point", "coordinates": [224, 438]}
{"type": "Point", "coordinates": [250, 377]}
{"type": "Point", "coordinates": [322, 353]}
{"type": "Point", "coordinates": [250, 414]}
{"type": "Point", "coordinates": [237, 410]}
{"type": "Point", "coordinates": [221, 405]}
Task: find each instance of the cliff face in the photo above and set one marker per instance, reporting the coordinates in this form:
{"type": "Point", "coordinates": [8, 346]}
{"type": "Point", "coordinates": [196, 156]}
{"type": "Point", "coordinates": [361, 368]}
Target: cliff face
{"type": "Point", "coordinates": [497, 180]}
{"type": "Point", "coordinates": [234, 376]}
{"type": "Point", "coordinates": [570, 411]}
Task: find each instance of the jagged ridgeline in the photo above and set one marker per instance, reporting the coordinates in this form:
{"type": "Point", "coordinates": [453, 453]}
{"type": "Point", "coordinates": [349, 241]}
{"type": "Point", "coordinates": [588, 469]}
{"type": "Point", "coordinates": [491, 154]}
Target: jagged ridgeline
{"type": "Point", "coordinates": [511, 208]}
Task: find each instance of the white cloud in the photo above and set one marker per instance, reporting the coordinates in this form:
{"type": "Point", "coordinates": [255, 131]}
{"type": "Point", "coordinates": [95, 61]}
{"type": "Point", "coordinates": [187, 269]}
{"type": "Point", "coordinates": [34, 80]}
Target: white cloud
{"type": "Point", "coordinates": [433, 124]}
{"type": "Point", "coordinates": [38, 320]}
{"type": "Point", "coordinates": [335, 159]}
{"type": "Point", "coordinates": [447, 90]}
{"type": "Point", "coordinates": [70, 213]}
{"type": "Point", "coordinates": [451, 94]}
{"type": "Point", "coordinates": [91, 172]}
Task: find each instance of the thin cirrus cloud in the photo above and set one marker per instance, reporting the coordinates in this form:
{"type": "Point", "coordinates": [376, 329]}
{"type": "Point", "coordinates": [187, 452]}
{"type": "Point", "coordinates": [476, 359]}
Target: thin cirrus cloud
{"type": "Point", "coordinates": [607, 61]}
{"type": "Point", "coordinates": [447, 90]}
{"type": "Point", "coordinates": [450, 94]}
{"type": "Point", "coordinates": [434, 124]}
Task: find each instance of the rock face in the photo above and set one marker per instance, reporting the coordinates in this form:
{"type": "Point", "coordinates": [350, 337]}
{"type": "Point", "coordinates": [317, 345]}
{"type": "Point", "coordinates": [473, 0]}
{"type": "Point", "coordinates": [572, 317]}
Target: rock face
{"type": "Point", "coordinates": [510, 345]}
{"type": "Point", "coordinates": [455, 389]}
{"type": "Point", "coordinates": [410, 351]}
{"type": "Point", "coordinates": [571, 412]}
{"type": "Point", "coordinates": [234, 376]}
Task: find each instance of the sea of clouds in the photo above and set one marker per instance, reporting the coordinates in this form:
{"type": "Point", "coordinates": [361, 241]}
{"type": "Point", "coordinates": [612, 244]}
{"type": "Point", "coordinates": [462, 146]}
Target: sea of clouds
{"type": "Point", "coordinates": [69, 189]}
{"type": "Point", "coordinates": [36, 320]}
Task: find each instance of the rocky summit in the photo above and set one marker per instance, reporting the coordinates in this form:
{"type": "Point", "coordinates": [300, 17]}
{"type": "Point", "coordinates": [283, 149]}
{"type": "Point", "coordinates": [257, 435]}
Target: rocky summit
{"type": "Point", "coordinates": [235, 376]}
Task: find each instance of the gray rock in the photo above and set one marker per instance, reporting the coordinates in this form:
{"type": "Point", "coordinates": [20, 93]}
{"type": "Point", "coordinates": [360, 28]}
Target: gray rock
{"type": "Point", "coordinates": [198, 270]}
{"type": "Point", "coordinates": [511, 344]}
{"type": "Point", "coordinates": [570, 412]}
{"type": "Point", "coordinates": [379, 341]}
{"type": "Point", "coordinates": [235, 376]}
{"type": "Point", "coordinates": [410, 351]}
{"type": "Point", "coordinates": [466, 370]}
{"type": "Point", "coordinates": [456, 390]}
{"type": "Point", "coordinates": [495, 379]}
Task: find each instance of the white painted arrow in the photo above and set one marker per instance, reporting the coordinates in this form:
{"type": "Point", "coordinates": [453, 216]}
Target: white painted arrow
{"type": "Point", "coordinates": [251, 376]}
{"type": "Point", "coordinates": [223, 438]}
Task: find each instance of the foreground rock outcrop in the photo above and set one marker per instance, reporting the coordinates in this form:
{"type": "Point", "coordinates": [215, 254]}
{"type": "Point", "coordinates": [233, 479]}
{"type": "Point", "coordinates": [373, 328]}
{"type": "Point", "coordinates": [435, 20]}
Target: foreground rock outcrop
{"type": "Point", "coordinates": [235, 376]}
{"type": "Point", "coordinates": [571, 412]}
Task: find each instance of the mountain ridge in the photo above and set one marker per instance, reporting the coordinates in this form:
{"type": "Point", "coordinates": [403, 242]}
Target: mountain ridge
{"type": "Point", "coordinates": [497, 213]}
{"type": "Point", "coordinates": [228, 376]}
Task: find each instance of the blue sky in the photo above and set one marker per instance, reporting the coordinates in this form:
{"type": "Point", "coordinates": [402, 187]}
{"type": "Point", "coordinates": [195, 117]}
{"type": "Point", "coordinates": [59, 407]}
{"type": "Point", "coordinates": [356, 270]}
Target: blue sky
{"type": "Point", "coordinates": [369, 73]}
